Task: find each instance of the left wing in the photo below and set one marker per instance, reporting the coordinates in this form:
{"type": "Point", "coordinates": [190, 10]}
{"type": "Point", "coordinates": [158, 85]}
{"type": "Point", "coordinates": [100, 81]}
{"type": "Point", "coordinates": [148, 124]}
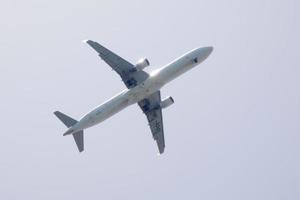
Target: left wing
{"type": "Point", "coordinates": [152, 110]}
{"type": "Point", "coordinates": [130, 76]}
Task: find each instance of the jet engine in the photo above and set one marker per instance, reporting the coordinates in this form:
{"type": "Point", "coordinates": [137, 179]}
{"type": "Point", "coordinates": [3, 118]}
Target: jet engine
{"type": "Point", "coordinates": [166, 102]}
{"type": "Point", "coordinates": [142, 64]}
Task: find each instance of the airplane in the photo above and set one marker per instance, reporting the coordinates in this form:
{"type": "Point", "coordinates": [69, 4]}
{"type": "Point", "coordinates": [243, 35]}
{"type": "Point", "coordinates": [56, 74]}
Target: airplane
{"type": "Point", "coordinates": [142, 88]}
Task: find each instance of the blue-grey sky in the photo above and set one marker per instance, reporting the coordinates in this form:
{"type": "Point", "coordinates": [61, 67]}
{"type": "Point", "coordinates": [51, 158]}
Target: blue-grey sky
{"type": "Point", "coordinates": [233, 132]}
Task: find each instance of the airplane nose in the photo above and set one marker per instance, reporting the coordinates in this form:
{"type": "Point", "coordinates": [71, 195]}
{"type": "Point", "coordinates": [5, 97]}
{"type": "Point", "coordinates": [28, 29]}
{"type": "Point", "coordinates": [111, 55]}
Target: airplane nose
{"type": "Point", "coordinates": [207, 51]}
{"type": "Point", "coordinates": [203, 53]}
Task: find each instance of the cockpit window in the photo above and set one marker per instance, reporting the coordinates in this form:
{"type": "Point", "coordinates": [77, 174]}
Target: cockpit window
{"type": "Point", "coordinates": [195, 60]}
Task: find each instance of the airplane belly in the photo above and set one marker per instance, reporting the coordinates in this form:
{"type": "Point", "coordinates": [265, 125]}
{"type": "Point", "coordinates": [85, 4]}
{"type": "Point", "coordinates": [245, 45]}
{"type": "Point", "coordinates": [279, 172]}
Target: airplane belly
{"type": "Point", "coordinates": [103, 112]}
{"type": "Point", "coordinates": [118, 103]}
{"type": "Point", "coordinates": [175, 69]}
{"type": "Point", "coordinates": [182, 64]}
{"type": "Point", "coordinates": [143, 90]}
{"type": "Point", "coordinates": [109, 109]}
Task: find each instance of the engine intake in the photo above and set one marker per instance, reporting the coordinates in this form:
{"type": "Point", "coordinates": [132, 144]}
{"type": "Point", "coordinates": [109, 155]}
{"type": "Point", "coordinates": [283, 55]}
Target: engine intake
{"type": "Point", "coordinates": [142, 64]}
{"type": "Point", "coordinates": [166, 102]}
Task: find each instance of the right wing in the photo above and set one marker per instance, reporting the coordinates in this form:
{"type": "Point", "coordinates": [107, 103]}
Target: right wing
{"type": "Point", "coordinates": [130, 76]}
{"type": "Point", "coordinates": [152, 110]}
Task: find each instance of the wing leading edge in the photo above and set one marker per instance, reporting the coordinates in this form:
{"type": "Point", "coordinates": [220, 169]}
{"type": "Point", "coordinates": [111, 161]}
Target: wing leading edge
{"type": "Point", "coordinates": [130, 76]}
{"type": "Point", "coordinates": [153, 111]}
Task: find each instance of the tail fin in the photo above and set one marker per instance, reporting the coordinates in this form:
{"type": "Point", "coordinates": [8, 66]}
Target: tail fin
{"type": "Point", "coordinates": [68, 121]}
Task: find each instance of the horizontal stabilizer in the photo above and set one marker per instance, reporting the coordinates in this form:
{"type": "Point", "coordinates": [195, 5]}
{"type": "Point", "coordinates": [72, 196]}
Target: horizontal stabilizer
{"type": "Point", "coordinates": [68, 121]}
{"type": "Point", "coordinates": [78, 137]}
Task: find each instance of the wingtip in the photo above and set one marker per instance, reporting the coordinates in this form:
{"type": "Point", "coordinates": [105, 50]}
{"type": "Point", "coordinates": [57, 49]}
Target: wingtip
{"type": "Point", "coordinates": [88, 41]}
{"type": "Point", "coordinates": [80, 150]}
{"type": "Point", "coordinates": [56, 112]}
{"type": "Point", "coordinates": [161, 152]}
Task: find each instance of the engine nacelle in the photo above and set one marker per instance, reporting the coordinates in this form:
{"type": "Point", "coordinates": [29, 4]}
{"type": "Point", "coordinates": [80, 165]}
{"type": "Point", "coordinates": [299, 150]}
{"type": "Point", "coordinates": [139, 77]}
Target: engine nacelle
{"type": "Point", "coordinates": [166, 102]}
{"type": "Point", "coordinates": [142, 64]}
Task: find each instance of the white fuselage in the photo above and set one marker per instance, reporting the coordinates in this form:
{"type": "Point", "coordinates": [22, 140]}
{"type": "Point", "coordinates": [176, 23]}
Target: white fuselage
{"type": "Point", "coordinates": [155, 82]}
